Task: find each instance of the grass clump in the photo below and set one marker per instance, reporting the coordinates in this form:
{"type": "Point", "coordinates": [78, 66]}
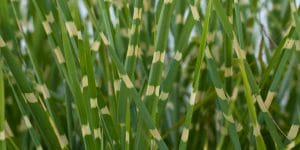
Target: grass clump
{"type": "Point", "coordinates": [143, 74]}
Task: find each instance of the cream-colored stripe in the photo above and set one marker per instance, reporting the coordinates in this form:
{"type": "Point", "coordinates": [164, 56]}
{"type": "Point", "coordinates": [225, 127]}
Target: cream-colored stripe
{"type": "Point", "coordinates": [59, 55]}
{"type": "Point", "coordinates": [2, 135]}
{"type": "Point", "coordinates": [97, 133]}
{"type": "Point", "coordinates": [269, 99]}
{"type": "Point", "coordinates": [8, 131]}
{"type": "Point", "coordinates": [163, 96]}
{"type": "Point", "coordinates": [230, 19]}
{"type": "Point", "coordinates": [2, 43]}
{"type": "Point", "coordinates": [179, 19]}
{"type": "Point", "coordinates": [162, 56]}
{"type": "Point", "coordinates": [94, 102]}
{"type": "Point", "coordinates": [117, 21]}
{"type": "Point", "coordinates": [234, 93]}
{"type": "Point", "coordinates": [253, 99]}
{"type": "Point", "coordinates": [50, 17]}
{"type": "Point", "coordinates": [39, 147]}
{"type": "Point", "coordinates": [110, 90]}
{"type": "Point", "coordinates": [170, 105]}
{"type": "Point", "coordinates": [256, 130]}
{"type": "Point", "coordinates": [155, 134]}
{"type": "Point", "coordinates": [168, 1]}
{"type": "Point", "coordinates": [63, 141]}
{"type": "Point", "coordinates": [178, 56]}
{"type": "Point", "coordinates": [289, 43]}
{"type": "Point", "coordinates": [137, 51]}
{"type": "Point", "coordinates": [157, 88]}
{"type": "Point", "coordinates": [152, 144]}
{"type": "Point", "coordinates": [137, 13]}
{"type": "Point", "coordinates": [147, 5]}
{"type": "Point", "coordinates": [127, 81]}
{"type": "Point", "coordinates": [95, 46]}
{"type": "Point", "coordinates": [250, 50]}
{"type": "Point", "coordinates": [238, 127]}
{"type": "Point", "coordinates": [47, 27]}
{"type": "Point", "coordinates": [117, 85]}
{"type": "Point", "coordinates": [27, 122]}
{"type": "Point", "coordinates": [79, 35]}
{"type": "Point", "coordinates": [195, 13]}
{"type": "Point", "coordinates": [105, 111]}
{"type": "Point", "coordinates": [104, 39]}
{"type": "Point", "coordinates": [43, 106]}
{"type": "Point", "coordinates": [127, 137]}
{"type": "Point", "coordinates": [140, 13]}
{"type": "Point", "coordinates": [132, 30]}
{"type": "Point", "coordinates": [293, 7]}
{"type": "Point", "coordinates": [291, 145]}
{"type": "Point", "coordinates": [156, 57]}
{"type": "Point", "coordinates": [84, 81]}
{"type": "Point", "coordinates": [185, 135]}
{"type": "Point", "coordinates": [150, 90]}
{"type": "Point", "coordinates": [228, 117]}
{"type": "Point", "coordinates": [207, 53]}
{"type": "Point", "coordinates": [71, 28]}
{"type": "Point", "coordinates": [193, 98]}
{"type": "Point", "coordinates": [130, 50]}
{"type": "Point", "coordinates": [241, 53]}
{"type": "Point", "coordinates": [221, 93]}
{"type": "Point", "coordinates": [44, 90]}
{"type": "Point", "coordinates": [228, 72]}
{"type": "Point", "coordinates": [210, 37]}
{"type": "Point", "coordinates": [261, 104]}
{"type": "Point", "coordinates": [293, 132]}
{"type": "Point", "coordinates": [31, 98]}
{"type": "Point", "coordinates": [86, 130]}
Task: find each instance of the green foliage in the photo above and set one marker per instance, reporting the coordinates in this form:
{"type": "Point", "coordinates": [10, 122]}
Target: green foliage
{"type": "Point", "coordinates": [149, 74]}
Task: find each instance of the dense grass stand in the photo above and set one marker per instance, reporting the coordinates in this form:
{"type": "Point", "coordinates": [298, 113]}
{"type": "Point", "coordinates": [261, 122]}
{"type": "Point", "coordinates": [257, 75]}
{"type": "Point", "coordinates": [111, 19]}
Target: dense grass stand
{"type": "Point", "coordinates": [149, 74]}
